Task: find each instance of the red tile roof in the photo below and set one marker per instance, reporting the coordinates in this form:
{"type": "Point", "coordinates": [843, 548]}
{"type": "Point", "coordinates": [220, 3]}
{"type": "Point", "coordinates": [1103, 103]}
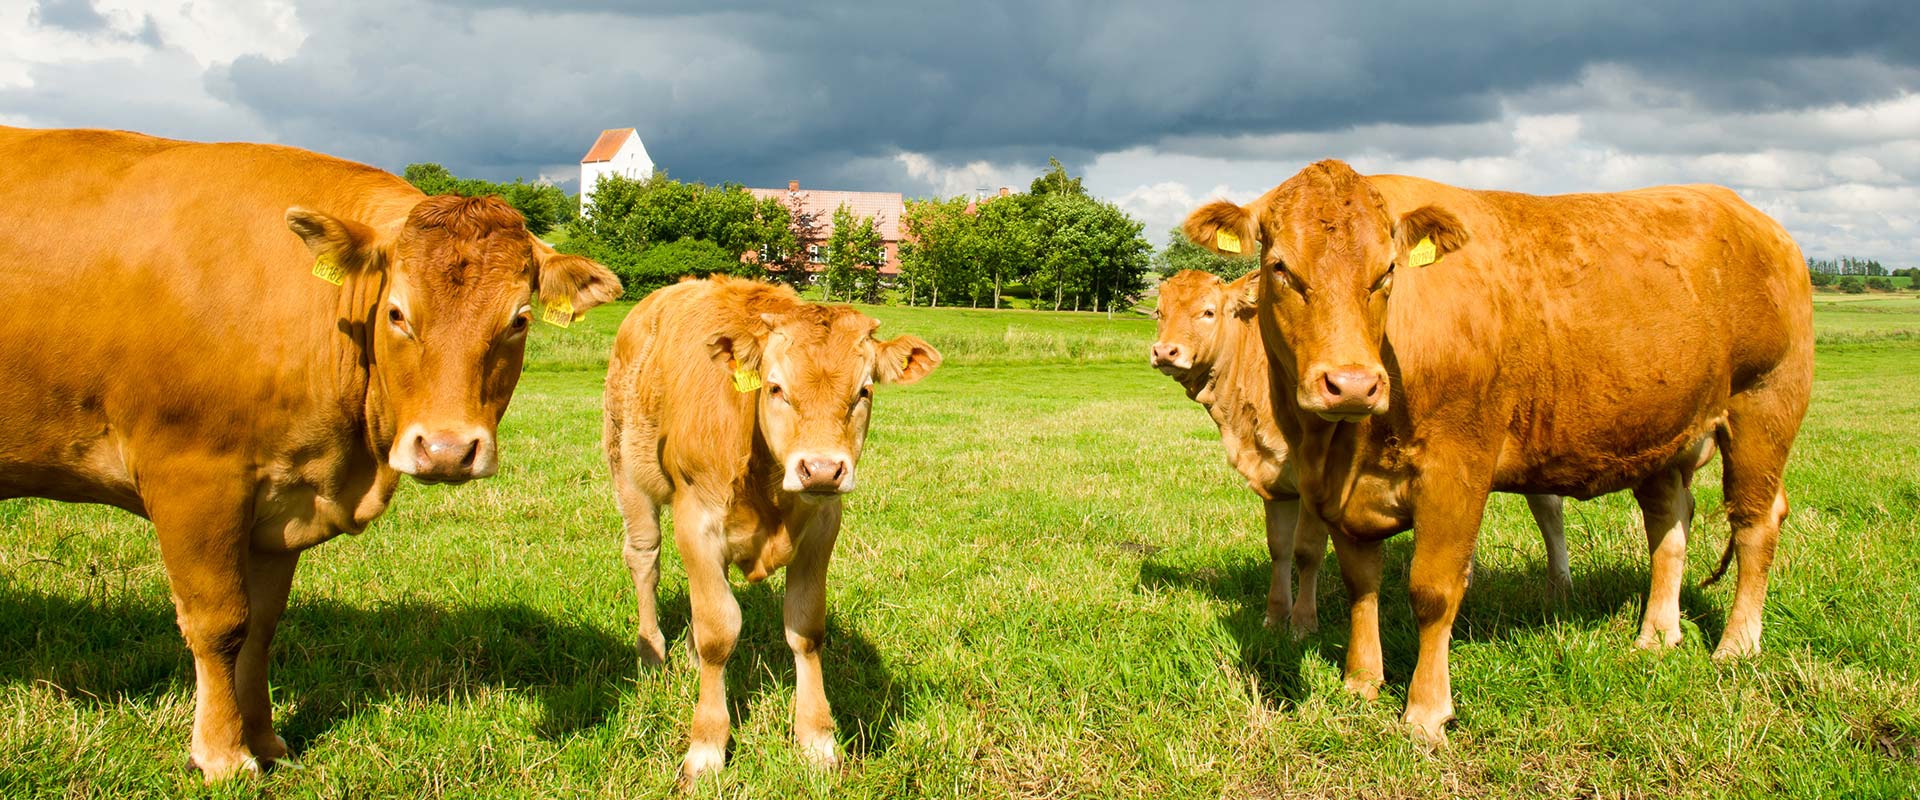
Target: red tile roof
{"type": "Point", "coordinates": [607, 145]}
{"type": "Point", "coordinates": [884, 207]}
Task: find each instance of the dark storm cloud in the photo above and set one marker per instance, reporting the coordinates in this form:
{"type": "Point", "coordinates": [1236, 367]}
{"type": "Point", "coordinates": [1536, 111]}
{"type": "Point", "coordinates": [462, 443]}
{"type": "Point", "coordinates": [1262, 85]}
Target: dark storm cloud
{"type": "Point", "coordinates": [763, 92]}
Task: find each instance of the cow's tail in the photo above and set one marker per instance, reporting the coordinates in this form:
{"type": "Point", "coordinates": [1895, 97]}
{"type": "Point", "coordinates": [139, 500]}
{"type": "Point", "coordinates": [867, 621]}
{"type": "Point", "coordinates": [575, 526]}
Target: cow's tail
{"type": "Point", "coordinates": [1726, 556]}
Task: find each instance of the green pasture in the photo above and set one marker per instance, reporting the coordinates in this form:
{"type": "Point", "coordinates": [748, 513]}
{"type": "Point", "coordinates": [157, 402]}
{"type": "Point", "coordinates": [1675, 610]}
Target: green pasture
{"type": "Point", "coordinates": [1049, 585]}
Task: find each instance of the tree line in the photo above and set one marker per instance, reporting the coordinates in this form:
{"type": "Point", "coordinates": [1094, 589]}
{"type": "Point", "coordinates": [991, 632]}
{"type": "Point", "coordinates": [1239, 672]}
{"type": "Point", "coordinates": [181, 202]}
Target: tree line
{"type": "Point", "coordinates": [1061, 247]}
{"type": "Point", "coordinates": [546, 206]}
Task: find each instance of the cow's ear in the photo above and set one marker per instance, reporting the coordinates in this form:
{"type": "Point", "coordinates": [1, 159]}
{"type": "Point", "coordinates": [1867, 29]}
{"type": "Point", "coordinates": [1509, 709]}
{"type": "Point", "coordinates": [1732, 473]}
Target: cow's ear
{"type": "Point", "coordinates": [581, 281]}
{"type": "Point", "coordinates": [739, 347]}
{"type": "Point", "coordinates": [1222, 227]}
{"type": "Point", "coordinates": [1241, 297]}
{"type": "Point", "coordinates": [1428, 223]}
{"type": "Point", "coordinates": [339, 245]}
{"type": "Point", "coordinates": [903, 359]}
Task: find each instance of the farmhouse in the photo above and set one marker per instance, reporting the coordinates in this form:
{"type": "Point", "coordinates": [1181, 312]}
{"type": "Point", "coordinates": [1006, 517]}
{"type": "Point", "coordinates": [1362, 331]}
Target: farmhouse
{"type": "Point", "coordinates": [616, 152]}
{"type": "Point", "coordinates": [886, 209]}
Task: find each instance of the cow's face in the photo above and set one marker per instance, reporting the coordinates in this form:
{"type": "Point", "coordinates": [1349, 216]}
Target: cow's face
{"type": "Point", "coordinates": [817, 367]}
{"type": "Point", "coordinates": [1191, 319]}
{"type": "Point", "coordinates": [1330, 251]}
{"type": "Point", "coordinates": [459, 288]}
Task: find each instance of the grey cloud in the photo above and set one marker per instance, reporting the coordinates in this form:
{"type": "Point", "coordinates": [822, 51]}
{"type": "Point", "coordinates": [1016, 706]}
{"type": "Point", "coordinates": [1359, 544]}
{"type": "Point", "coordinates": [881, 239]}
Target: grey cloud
{"type": "Point", "coordinates": [78, 16]}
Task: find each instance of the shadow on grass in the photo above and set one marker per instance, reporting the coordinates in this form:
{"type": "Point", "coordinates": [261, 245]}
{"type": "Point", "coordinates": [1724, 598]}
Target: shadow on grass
{"type": "Point", "coordinates": [332, 659]}
{"type": "Point", "coordinates": [867, 698]}
{"type": "Point", "coordinates": [335, 659]}
{"type": "Point", "coordinates": [1501, 604]}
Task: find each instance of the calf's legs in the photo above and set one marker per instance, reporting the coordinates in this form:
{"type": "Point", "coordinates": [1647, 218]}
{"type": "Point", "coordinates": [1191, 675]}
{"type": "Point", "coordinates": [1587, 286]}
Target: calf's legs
{"type": "Point", "coordinates": [806, 624]}
{"type": "Point", "coordinates": [642, 553]}
{"type": "Point", "coordinates": [1549, 513]}
{"type": "Point", "coordinates": [700, 533]}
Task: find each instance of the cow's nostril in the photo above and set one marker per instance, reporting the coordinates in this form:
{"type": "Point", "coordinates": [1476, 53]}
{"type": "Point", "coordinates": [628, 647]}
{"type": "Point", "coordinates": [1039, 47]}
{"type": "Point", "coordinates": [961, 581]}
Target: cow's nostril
{"type": "Point", "coordinates": [1329, 385]}
{"type": "Point", "coordinates": [473, 451]}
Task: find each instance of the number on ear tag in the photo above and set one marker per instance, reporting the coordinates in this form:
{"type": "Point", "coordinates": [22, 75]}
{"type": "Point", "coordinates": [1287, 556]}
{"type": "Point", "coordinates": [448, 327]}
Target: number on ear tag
{"type": "Point", "coordinates": [744, 380]}
{"type": "Point", "coordinates": [1226, 242]}
{"type": "Point", "coordinates": [1423, 253]}
{"type": "Point", "coordinates": [326, 269]}
{"type": "Point", "coordinates": [556, 311]}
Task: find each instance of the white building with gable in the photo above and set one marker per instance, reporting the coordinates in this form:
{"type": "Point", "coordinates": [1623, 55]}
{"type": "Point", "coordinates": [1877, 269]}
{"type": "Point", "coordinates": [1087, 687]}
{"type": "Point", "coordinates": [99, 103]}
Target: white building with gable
{"type": "Point", "coordinates": [616, 152]}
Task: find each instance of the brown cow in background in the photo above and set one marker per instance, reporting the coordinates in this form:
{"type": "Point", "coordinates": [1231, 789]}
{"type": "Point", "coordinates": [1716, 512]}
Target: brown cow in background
{"type": "Point", "coordinates": [1575, 344]}
{"type": "Point", "coordinates": [181, 360]}
{"type": "Point", "coordinates": [744, 409]}
{"type": "Point", "coordinates": [1206, 339]}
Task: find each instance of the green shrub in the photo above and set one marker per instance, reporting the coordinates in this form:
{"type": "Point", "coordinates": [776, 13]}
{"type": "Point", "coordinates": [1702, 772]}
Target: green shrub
{"type": "Point", "coordinates": [666, 264]}
{"type": "Point", "coordinates": [1878, 284]}
{"type": "Point", "coordinates": [1822, 279]}
{"type": "Point", "coordinates": [1852, 284]}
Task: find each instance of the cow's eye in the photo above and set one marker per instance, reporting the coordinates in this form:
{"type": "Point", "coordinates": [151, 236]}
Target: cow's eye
{"type": "Point", "coordinates": [1207, 314]}
{"type": "Point", "coordinates": [774, 391]}
{"type": "Point", "coordinates": [866, 393]}
{"type": "Point", "coordinates": [519, 323]}
{"type": "Point", "coordinates": [399, 320]}
{"type": "Point", "coordinates": [1290, 280]}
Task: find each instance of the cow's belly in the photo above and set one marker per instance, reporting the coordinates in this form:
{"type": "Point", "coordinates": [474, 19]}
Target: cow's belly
{"type": "Point", "coordinates": [1603, 458]}
{"type": "Point", "coordinates": [61, 460]}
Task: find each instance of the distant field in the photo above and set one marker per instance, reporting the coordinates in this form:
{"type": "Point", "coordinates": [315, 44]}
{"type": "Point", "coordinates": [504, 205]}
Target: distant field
{"type": "Point", "coordinates": [1049, 585]}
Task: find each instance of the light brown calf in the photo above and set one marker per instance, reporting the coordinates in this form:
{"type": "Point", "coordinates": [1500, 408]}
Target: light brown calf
{"type": "Point", "coordinates": [744, 410]}
{"type": "Point", "coordinates": [176, 356]}
{"type": "Point", "coordinates": [1440, 343]}
{"type": "Point", "coordinates": [1207, 339]}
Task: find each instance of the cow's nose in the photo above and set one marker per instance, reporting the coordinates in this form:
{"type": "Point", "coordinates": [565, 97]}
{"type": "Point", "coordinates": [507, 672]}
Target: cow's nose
{"type": "Point", "coordinates": [822, 474]}
{"type": "Point", "coordinates": [1167, 354]}
{"type": "Point", "coordinates": [1349, 389]}
{"type": "Point", "coordinates": [447, 455]}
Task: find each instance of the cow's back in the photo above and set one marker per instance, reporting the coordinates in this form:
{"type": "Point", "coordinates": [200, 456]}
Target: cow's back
{"type": "Point", "coordinates": [1610, 329]}
{"type": "Point", "coordinates": [163, 306]}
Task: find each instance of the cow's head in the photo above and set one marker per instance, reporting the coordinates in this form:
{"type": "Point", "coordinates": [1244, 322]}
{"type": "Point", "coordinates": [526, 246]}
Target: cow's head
{"type": "Point", "coordinates": [1329, 253]}
{"type": "Point", "coordinates": [1191, 320]}
{"type": "Point", "coordinates": [817, 366]}
{"type": "Point", "coordinates": [459, 286]}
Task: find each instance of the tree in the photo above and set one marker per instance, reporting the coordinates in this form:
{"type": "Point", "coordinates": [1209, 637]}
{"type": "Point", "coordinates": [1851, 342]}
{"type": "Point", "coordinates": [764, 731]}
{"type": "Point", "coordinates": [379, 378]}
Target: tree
{"type": "Point", "coordinates": [801, 244]}
{"type": "Point", "coordinates": [544, 205]}
{"type": "Point", "coordinates": [937, 256]}
{"type": "Point", "coordinates": [1005, 240]}
{"type": "Point", "coordinates": [627, 219]}
{"type": "Point", "coordinates": [1090, 250]}
{"type": "Point", "coordinates": [1182, 254]}
{"type": "Point", "coordinates": [854, 249]}
{"type": "Point", "coordinates": [1822, 279]}
{"type": "Point", "coordinates": [1056, 181]}
{"type": "Point", "coordinates": [1852, 284]}
{"type": "Point", "coordinates": [666, 264]}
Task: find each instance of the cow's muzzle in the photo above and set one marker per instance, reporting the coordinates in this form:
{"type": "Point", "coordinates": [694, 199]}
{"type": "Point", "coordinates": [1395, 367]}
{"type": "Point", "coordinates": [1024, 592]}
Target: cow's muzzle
{"type": "Point", "coordinates": [1170, 358]}
{"type": "Point", "coordinates": [819, 474]}
{"type": "Point", "coordinates": [1346, 393]}
{"type": "Point", "coordinates": [444, 456]}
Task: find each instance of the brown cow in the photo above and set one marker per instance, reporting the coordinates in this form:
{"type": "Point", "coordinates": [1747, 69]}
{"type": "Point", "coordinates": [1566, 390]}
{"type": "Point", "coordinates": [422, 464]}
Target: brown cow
{"type": "Point", "coordinates": [1207, 340]}
{"type": "Point", "coordinates": [743, 409]}
{"type": "Point", "coordinates": [182, 361]}
{"type": "Point", "coordinates": [1577, 344]}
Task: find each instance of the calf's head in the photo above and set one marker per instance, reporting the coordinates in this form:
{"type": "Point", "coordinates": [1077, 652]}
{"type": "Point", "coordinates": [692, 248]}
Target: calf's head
{"type": "Point", "coordinates": [459, 285]}
{"type": "Point", "coordinates": [1329, 253]}
{"type": "Point", "coordinates": [1191, 320]}
{"type": "Point", "coordinates": [817, 366]}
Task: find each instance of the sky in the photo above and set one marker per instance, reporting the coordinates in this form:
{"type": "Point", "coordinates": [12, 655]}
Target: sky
{"type": "Point", "coordinates": [1811, 110]}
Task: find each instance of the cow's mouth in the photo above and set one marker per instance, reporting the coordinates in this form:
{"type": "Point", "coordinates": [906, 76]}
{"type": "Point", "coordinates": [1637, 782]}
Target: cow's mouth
{"type": "Point", "coordinates": [1348, 417]}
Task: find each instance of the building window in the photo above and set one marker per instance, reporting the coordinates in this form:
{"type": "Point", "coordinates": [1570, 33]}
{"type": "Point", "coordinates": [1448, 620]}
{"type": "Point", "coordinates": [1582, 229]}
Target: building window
{"type": "Point", "coordinates": [816, 254]}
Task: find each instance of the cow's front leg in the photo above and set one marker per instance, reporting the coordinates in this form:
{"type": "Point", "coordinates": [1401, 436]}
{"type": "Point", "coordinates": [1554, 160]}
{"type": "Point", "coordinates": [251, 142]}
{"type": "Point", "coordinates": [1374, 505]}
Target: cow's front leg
{"type": "Point", "coordinates": [701, 535]}
{"type": "Point", "coordinates": [1446, 526]}
{"type": "Point", "coordinates": [269, 577]}
{"type": "Point", "coordinates": [806, 623]}
{"type": "Point", "coordinates": [1281, 518]}
{"type": "Point", "coordinates": [1360, 570]}
{"type": "Point", "coordinates": [1549, 514]}
{"type": "Point", "coordinates": [1309, 551]}
{"type": "Point", "coordinates": [202, 527]}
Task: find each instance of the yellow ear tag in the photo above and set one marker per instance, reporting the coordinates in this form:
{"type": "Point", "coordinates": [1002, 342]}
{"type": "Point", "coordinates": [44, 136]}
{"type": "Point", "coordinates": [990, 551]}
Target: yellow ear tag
{"type": "Point", "coordinates": [744, 380]}
{"type": "Point", "coordinates": [556, 311]}
{"type": "Point", "coordinates": [1423, 253]}
{"type": "Point", "coordinates": [326, 269]}
{"type": "Point", "coordinates": [1226, 242]}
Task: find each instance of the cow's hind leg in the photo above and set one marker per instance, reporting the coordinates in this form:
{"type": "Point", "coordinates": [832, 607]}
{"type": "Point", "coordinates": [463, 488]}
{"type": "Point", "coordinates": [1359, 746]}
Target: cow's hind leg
{"type": "Point", "coordinates": [269, 577]}
{"type": "Point", "coordinates": [700, 532]}
{"type": "Point", "coordinates": [1667, 505]}
{"type": "Point", "coordinates": [1761, 424]}
{"type": "Point", "coordinates": [641, 551]}
{"type": "Point", "coordinates": [806, 624]}
{"type": "Point", "coordinates": [1549, 513]}
{"type": "Point", "coordinates": [202, 527]}
{"type": "Point", "coordinates": [1281, 516]}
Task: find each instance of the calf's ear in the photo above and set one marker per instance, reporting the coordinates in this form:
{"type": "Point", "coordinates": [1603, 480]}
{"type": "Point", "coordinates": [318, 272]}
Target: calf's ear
{"type": "Point", "coordinates": [340, 246]}
{"type": "Point", "coordinates": [581, 282]}
{"type": "Point", "coordinates": [1428, 223]}
{"type": "Point", "coordinates": [1222, 227]}
{"type": "Point", "coordinates": [1241, 297]}
{"type": "Point", "coordinates": [903, 359]}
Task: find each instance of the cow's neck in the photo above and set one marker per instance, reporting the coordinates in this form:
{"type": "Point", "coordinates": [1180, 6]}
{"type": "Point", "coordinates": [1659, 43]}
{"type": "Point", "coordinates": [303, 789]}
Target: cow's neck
{"type": "Point", "coordinates": [363, 294]}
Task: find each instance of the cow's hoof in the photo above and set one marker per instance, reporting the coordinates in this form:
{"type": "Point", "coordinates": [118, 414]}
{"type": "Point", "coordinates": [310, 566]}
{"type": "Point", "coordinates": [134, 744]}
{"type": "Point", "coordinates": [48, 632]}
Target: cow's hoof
{"type": "Point", "coordinates": [701, 760]}
{"type": "Point", "coordinates": [1560, 588]}
{"type": "Point", "coordinates": [1429, 729]}
{"type": "Point", "coordinates": [653, 651]}
{"type": "Point", "coordinates": [273, 748]}
{"type": "Point", "coordinates": [820, 751]}
{"type": "Point", "coordinates": [1658, 640]}
{"type": "Point", "coordinates": [215, 768]}
{"type": "Point", "coordinates": [1365, 687]}
{"type": "Point", "coordinates": [1304, 625]}
{"type": "Point", "coordinates": [1735, 649]}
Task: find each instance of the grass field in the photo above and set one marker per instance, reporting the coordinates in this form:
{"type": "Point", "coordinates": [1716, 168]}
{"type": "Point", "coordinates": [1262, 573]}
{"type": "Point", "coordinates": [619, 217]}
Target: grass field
{"type": "Point", "coordinates": [1049, 585]}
